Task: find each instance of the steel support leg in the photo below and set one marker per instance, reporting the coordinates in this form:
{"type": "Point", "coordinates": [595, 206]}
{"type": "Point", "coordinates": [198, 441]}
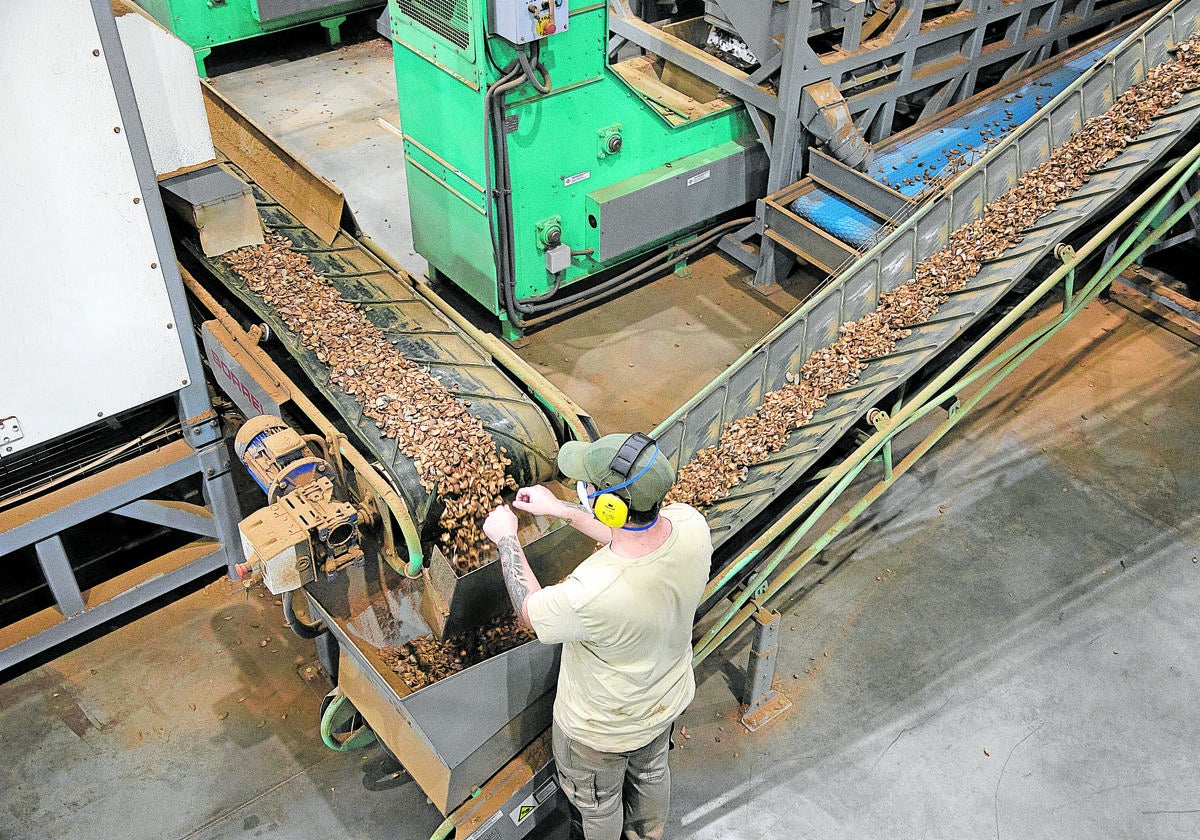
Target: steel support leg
{"type": "Point", "coordinates": [57, 568]}
{"type": "Point", "coordinates": [763, 703]}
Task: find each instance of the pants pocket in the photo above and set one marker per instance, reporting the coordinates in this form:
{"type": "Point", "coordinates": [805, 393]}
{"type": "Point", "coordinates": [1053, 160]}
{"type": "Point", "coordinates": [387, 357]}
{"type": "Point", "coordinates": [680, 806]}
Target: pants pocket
{"type": "Point", "coordinates": [579, 787]}
{"type": "Point", "coordinates": [652, 775]}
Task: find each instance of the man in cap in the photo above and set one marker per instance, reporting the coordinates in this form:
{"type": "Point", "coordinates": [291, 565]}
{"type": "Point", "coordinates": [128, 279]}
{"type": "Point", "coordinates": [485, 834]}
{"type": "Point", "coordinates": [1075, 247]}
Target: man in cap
{"type": "Point", "coordinates": [624, 617]}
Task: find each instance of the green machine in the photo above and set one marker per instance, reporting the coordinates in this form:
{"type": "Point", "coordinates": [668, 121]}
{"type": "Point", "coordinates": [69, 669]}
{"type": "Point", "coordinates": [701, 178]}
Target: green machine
{"type": "Point", "coordinates": [536, 168]}
{"type": "Point", "coordinates": [204, 24]}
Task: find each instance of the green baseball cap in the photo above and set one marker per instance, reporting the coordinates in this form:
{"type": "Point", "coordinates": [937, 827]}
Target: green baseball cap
{"type": "Point", "coordinates": [591, 462]}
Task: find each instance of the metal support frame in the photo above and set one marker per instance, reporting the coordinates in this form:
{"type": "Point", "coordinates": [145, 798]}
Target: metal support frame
{"type": "Point", "coordinates": [1189, 228]}
{"type": "Point", "coordinates": [127, 487]}
{"type": "Point", "coordinates": [762, 702]}
{"type": "Point", "coordinates": [120, 489]}
{"type": "Point", "coordinates": [905, 56]}
{"type": "Point", "coordinates": [956, 386]}
{"type": "Point", "coordinates": [876, 64]}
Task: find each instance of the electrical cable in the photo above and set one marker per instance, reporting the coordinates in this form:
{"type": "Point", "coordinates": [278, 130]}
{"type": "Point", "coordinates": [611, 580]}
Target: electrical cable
{"type": "Point", "coordinates": [531, 71]}
{"type": "Point", "coordinates": [499, 187]}
{"type": "Point", "coordinates": [156, 435]}
{"type": "Point", "coordinates": [299, 626]}
{"type": "Point", "coordinates": [505, 262]}
{"type": "Point", "coordinates": [634, 275]}
{"type": "Point", "coordinates": [544, 296]}
{"type": "Point", "coordinates": [495, 140]}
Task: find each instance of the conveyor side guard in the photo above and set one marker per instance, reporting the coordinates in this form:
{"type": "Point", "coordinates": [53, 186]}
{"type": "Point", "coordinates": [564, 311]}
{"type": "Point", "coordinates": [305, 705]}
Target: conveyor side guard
{"type": "Point", "coordinates": [856, 291]}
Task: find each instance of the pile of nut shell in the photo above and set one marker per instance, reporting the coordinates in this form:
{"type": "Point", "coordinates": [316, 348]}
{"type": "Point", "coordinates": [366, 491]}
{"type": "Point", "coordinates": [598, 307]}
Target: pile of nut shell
{"type": "Point", "coordinates": [750, 440]}
{"type": "Point", "coordinates": [454, 455]}
{"type": "Point", "coordinates": [425, 660]}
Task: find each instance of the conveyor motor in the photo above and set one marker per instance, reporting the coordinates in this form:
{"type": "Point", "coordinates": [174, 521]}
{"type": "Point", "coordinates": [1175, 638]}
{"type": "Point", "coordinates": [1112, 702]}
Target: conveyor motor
{"type": "Point", "coordinates": [304, 527]}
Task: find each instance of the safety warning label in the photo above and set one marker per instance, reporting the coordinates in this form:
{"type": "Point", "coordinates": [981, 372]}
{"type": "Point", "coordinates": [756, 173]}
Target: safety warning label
{"type": "Point", "coordinates": [531, 803]}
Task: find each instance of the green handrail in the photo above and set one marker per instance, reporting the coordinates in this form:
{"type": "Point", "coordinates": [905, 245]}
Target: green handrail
{"type": "Point", "coordinates": [932, 395]}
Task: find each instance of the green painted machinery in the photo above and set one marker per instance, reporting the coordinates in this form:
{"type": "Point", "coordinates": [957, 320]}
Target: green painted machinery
{"type": "Point", "coordinates": [204, 24]}
{"type": "Point", "coordinates": [530, 199]}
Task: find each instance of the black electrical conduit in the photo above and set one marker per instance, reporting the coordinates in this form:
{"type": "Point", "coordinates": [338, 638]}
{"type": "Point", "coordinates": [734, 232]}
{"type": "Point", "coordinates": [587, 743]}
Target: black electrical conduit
{"type": "Point", "coordinates": [299, 627]}
{"type": "Point", "coordinates": [636, 274]}
{"type": "Point", "coordinates": [499, 229]}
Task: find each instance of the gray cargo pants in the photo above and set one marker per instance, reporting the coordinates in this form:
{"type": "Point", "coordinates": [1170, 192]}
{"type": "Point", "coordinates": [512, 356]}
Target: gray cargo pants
{"type": "Point", "coordinates": [617, 796]}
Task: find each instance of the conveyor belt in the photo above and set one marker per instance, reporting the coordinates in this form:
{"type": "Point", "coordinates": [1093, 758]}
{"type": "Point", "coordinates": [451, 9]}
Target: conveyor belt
{"type": "Point", "coordinates": [421, 333]}
{"type": "Point", "coordinates": [855, 292]}
{"type": "Point", "coordinates": [907, 162]}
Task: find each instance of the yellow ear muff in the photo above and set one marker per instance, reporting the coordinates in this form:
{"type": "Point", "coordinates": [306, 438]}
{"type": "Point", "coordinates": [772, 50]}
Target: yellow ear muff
{"type": "Point", "coordinates": [611, 510]}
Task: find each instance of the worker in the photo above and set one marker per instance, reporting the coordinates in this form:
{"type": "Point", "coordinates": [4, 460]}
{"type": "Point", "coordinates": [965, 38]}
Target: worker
{"type": "Point", "coordinates": [624, 618]}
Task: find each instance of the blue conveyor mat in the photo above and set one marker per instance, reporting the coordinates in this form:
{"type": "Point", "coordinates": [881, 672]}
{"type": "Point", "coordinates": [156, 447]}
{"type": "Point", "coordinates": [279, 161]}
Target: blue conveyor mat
{"type": "Point", "coordinates": [918, 155]}
{"type": "Point", "coordinates": [834, 214]}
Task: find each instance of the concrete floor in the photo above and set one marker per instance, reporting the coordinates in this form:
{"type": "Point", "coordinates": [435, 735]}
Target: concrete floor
{"type": "Point", "coordinates": [1002, 647]}
{"type": "Point", "coordinates": [1005, 645]}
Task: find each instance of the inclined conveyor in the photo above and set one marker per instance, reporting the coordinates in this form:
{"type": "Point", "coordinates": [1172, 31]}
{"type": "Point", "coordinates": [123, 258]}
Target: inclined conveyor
{"type": "Point", "coordinates": [830, 200]}
{"type": "Point", "coordinates": [855, 291]}
{"type": "Point", "coordinates": [454, 735]}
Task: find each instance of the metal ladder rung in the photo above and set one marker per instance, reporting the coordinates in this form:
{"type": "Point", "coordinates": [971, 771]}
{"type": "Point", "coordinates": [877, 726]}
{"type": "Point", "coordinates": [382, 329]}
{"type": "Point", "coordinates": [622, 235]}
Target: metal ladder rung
{"type": "Point", "coordinates": [353, 275]}
{"type": "Point", "coordinates": [1052, 220]}
{"type": "Point", "coordinates": [860, 385]}
{"type": "Point", "coordinates": [1011, 255]}
{"type": "Point", "coordinates": [980, 287]}
{"type": "Point", "coordinates": [415, 333]}
{"type": "Point", "coordinates": [814, 424]}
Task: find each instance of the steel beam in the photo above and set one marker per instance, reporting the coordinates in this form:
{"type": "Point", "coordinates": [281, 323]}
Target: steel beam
{"type": "Point", "coordinates": [52, 557]}
{"type": "Point", "coordinates": [693, 59]}
{"type": "Point", "coordinates": [41, 632]}
{"type": "Point", "coordinates": [86, 499]}
{"type": "Point", "coordinates": [178, 515]}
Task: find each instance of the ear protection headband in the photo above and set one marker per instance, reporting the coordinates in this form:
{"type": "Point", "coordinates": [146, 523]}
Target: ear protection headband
{"type": "Point", "coordinates": [609, 508]}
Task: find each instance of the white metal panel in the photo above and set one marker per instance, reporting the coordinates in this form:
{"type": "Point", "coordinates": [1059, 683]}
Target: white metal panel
{"type": "Point", "coordinates": [85, 323]}
{"type": "Point", "coordinates": [163, 70]}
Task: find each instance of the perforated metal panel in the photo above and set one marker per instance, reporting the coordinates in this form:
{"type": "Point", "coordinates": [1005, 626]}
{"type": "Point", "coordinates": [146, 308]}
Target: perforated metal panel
{"type": "Point", "coordinates": [451, 19]}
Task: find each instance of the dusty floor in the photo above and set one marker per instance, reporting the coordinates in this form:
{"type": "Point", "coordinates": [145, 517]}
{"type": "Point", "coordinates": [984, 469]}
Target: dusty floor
{"type": "Point", "coordinates": [1004, 646]}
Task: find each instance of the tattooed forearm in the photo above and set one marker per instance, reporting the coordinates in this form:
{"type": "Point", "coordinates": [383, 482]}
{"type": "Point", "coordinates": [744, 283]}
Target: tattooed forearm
{"type": "Point", "coordinates": [518, 577]}
{"type": "Point", "coordinates": [587, 523]}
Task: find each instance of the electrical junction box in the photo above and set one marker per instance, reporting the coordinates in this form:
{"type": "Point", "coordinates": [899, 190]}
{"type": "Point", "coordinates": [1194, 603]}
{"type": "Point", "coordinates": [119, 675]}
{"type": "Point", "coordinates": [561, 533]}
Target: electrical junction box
{"type": "Point", "coordinates": [522, 21]}
{"type": "Point", "coordinates": [279, 546]}
{"type": "Point", "coordinates": [558, 258]}
{"type": "Point", "coordinates": [307, 528]}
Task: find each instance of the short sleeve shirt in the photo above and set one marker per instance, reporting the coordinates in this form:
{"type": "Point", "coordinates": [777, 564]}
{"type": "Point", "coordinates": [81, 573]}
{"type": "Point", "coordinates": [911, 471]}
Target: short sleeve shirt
{"type": "Point", "coordinates": [626, 628]}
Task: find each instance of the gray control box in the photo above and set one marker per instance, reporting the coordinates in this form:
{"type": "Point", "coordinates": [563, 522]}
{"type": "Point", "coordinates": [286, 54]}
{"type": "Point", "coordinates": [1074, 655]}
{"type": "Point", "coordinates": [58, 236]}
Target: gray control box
{"type": "Point", "coordinates": [523, 21]}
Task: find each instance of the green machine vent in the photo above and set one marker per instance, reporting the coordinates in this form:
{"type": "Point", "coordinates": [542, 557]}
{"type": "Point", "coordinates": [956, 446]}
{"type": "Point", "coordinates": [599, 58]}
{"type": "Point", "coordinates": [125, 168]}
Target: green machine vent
{"type": "Point", "coordinates": [450, 19]}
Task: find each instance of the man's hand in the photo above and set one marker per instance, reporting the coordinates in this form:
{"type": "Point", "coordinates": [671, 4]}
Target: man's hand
{"type": "Point", "coordinates": [540, 501]}
{"type": "Point", "coordinates": [501, 528]}
{"type": "Point", "coordinates": [500, 523]}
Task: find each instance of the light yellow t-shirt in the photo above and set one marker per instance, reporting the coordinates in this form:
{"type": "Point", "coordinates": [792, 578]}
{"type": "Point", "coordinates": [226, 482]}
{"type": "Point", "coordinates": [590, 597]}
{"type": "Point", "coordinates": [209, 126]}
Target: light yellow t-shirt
{"type": "Point", "coordinates": [626, 629]}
